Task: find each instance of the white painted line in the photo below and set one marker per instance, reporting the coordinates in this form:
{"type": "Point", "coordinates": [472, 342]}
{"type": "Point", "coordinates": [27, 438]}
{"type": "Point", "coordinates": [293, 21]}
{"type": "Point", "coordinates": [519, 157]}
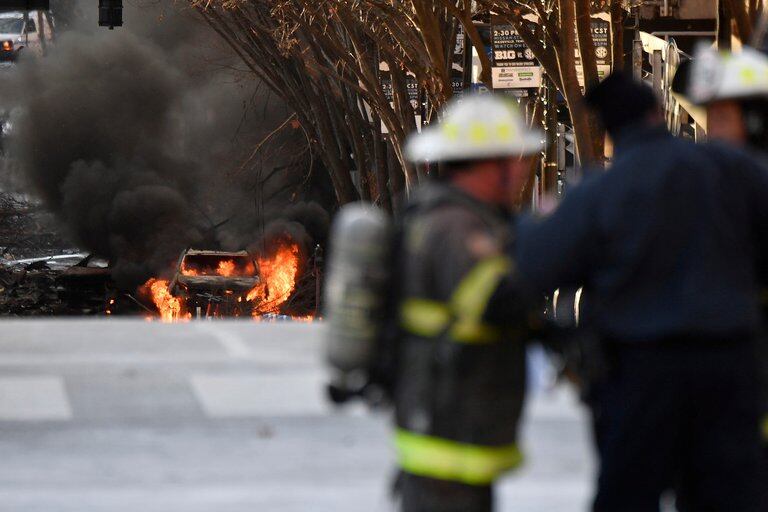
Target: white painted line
{"type": "Point", "coordinates": [33, 398]}
{"type": "Point", "coordinates": [231, 396]}
{"type": "Point", "coordinates": [233, 344]}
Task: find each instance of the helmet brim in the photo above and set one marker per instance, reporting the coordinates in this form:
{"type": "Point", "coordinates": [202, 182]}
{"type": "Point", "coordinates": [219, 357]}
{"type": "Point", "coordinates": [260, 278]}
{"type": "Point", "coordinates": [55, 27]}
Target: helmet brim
{"type": "Point", "coordinates": [431, 146]}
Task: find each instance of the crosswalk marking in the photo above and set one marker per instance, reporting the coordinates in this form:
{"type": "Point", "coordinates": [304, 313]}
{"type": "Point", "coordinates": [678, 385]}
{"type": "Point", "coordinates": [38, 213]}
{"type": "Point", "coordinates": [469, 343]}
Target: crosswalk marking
{"type": "Point", "coordinates": [233, 344]}
{"type": "Point", "coordinates": [232, 396]}
{"type": "Point", "coordinates": [33, 398]}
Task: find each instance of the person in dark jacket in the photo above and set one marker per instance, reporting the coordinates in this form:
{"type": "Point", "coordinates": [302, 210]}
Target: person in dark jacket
{"type": "Point", "coordinates": [460, 372]}
{"type": "Point", "coordinates": [737, 113]}
{"type": "Point", "coordinates": [664, 244]}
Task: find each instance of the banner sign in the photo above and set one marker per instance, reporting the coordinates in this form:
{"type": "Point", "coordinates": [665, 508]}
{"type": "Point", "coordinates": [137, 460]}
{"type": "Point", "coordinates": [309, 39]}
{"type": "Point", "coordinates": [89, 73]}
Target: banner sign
{"type": "Point", "coordinates": [514, 66]}
{"type": "Point", "coordinates": [457, 64]}
{"type": "Point", "coordinates": [412, 89]}
{"type": "Point", "coordinates": [601, 35]}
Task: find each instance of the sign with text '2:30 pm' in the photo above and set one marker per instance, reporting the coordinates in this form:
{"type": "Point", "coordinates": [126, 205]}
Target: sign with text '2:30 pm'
{"type": "Point", "coordinates": [514, 66]}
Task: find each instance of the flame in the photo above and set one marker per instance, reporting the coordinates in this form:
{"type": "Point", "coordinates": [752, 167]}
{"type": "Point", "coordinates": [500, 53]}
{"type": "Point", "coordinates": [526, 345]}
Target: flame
{"type": "Point", "coordinates": [226, 268]}
{"type": "Point", "coordinates": [188, 271]}
{"type": "Point", "coordinates": [278, 279]}
{"type": "Point", "coordinates": [167, 305]}
{"type": "Point", "coordinates": [278, 272]}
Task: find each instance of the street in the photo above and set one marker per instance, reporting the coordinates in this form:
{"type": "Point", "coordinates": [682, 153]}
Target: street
{"type": "Point", "coordinates": [128, 415]}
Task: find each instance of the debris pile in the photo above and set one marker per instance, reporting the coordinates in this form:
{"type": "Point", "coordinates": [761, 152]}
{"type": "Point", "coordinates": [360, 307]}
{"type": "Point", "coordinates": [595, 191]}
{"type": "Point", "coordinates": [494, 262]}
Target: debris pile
{"type": "Point", "coordinates": [26, 229]}
{"type": "Point", "coordinates": [47, 287]}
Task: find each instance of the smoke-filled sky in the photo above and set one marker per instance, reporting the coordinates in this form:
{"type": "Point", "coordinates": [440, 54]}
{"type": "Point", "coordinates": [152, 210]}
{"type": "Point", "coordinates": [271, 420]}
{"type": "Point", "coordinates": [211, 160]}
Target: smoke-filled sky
{"type": "Point", "coordinates": [136, 138]}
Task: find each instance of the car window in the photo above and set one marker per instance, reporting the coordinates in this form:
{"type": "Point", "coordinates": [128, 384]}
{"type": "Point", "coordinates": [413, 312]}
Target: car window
{"type": "Point", "coordinates": [11, 25]}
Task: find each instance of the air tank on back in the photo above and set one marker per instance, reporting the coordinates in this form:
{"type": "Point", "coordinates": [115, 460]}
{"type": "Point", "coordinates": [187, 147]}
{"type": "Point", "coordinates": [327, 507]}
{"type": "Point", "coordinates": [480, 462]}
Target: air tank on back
{"type": "Point", "coordinates": [355, 293]}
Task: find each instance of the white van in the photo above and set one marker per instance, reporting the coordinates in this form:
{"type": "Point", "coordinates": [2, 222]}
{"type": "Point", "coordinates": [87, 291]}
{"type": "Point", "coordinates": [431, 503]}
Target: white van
{"type": "Point", "coordinates": [25, 32]}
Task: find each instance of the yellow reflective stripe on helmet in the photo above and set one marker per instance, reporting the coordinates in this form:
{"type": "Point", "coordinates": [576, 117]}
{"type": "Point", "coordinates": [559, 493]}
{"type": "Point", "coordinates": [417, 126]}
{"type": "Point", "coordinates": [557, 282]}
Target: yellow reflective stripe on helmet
{"type": "Point", "coordinates": [450, 460]}
{"type": "Point", "coordinates": [471, 298]}
{"type": "Point", "coordinates": [765, 428]}
{"type": "Point", "coordinates": [424, 317]}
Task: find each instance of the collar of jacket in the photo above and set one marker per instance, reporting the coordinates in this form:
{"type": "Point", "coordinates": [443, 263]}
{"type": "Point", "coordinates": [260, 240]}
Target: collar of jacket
{"type": "Point", "coordinates": [467, 198]}
{"type": "Point", "coordinates": [639, 134]}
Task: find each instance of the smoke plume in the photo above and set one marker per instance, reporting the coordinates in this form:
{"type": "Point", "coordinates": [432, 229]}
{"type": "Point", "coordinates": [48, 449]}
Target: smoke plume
{"type": "Point", "coordinates": [135, 138]}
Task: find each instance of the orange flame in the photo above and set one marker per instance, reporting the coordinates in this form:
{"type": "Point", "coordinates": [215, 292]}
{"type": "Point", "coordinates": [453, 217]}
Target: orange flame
{"type": "Point", "coordinates": [167, 305]}
{"type": "Point", "coordinates": [226, 268]}
{"type": "Point", "coordinates": [278, 279]}
{"type": "Point", "coordinates": [278, 272]}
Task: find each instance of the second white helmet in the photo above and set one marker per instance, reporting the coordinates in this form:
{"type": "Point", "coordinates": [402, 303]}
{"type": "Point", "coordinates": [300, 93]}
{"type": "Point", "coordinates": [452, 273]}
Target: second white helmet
{"type": "Point", "coordinates": [717, 76]}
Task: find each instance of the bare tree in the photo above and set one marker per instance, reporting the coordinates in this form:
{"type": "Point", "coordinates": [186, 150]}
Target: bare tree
{"type": "Point", "coordinates": [359, 72]}
{"type": "Point", "coordinates": [563, 27]}
{"type": "Point", "coordinates": [348, 68]}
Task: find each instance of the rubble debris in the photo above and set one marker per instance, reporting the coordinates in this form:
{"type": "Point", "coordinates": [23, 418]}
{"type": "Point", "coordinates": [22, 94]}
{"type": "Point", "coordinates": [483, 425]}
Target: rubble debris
{"type": "Point", "coordinates": [39, 288]}
{"type": "Point", "coordinates": [26, 229]}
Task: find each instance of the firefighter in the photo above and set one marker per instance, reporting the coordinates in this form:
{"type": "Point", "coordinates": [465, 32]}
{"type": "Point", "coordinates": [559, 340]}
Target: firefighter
{"type": "Point", "coordinates": [734, 90]}
{"type": "Point", "coordinates": [460, 372]}
{"type": "Point", "coordinates": [664, 244]}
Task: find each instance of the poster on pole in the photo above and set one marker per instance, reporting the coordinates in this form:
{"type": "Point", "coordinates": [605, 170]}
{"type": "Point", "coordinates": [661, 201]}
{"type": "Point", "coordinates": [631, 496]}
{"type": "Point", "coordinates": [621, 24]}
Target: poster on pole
{"type": "Point", "coordinates": [514, 65]}
{"type": "Point", "coordinates": [412, 90]}
{"type": "Point", "coordinates": [601, 36]}
{"type": "Point", "coordinates": [457, 64]}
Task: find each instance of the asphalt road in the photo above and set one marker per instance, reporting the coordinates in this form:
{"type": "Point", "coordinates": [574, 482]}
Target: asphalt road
{"type": "Point", "coordinates": [219, 417]}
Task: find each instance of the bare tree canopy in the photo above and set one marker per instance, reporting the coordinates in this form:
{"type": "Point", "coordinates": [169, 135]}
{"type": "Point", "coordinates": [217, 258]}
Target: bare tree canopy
{"type": "Point", "coordinates": [363, 74]}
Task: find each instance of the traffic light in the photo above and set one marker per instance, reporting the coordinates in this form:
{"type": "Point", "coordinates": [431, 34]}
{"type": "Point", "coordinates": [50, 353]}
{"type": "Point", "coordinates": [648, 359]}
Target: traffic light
{"type": "Point", "coordinates": [110, 13]}
{"type": "Point", "coordinates": [24, 5]}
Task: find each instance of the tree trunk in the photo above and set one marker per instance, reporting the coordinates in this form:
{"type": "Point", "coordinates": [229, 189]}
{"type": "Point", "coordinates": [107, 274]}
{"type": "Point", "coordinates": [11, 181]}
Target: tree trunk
{"type": "Point", "coordinates": [571, 89]}
{"type": "Point", "coordinates": [741, 16]}
{"type": "Point", "coordinates": [724, 25]}
{"type": "Point", "coordinates": [382, 196]}
{"type": "Point", "coordinates": [589, 68]}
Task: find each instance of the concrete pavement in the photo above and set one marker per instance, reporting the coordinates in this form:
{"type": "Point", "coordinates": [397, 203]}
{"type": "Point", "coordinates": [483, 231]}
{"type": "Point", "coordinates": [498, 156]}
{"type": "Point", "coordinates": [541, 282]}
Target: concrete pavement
{"type": "Point", "coordinates": [126, 415]}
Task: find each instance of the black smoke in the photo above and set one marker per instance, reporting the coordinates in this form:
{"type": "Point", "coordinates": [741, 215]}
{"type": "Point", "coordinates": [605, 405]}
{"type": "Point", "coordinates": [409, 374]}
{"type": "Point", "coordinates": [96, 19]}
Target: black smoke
{"type": "Point", "coordinates": [138, 140]}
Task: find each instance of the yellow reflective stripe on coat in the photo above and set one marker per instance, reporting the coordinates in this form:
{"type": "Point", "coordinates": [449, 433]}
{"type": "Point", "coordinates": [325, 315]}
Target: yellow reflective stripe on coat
{"type": "Point", "coordinates": [463, 315]}
{"type": "Point", "coordinates": [439, 458]}
{"type": "Point", "coordinates": [471, 298]}
{"type": "Point", "coordinates": [424, 317]}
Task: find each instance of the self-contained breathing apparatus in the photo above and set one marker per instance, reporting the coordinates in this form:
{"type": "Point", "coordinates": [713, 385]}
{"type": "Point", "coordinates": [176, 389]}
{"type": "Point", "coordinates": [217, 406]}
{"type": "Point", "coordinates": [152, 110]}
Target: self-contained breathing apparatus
{"type": "Point", "coordinates": [358, 304]}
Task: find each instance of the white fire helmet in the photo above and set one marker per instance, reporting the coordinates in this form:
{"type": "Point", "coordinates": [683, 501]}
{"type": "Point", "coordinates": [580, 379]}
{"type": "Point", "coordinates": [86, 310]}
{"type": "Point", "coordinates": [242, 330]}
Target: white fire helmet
{"type": "Point", "coordinates": [476, 127]}
{"type": "Point", "coordinates": [717, 76]}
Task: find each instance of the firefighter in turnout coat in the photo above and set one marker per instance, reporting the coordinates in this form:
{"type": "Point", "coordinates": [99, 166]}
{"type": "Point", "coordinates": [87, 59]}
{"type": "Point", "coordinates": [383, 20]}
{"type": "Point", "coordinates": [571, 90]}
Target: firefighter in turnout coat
{"type": "Point", "coordinates": [460, 371]}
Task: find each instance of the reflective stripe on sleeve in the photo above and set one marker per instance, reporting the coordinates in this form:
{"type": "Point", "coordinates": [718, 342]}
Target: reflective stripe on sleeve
{"type": "Point", "coordinates": [450, 460]}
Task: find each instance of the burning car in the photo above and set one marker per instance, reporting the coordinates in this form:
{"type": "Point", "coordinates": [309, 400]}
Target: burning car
{"type": "Point", "coordinates": [210, 284]}
{"type": "Point", "coordinates": [214, 283]}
